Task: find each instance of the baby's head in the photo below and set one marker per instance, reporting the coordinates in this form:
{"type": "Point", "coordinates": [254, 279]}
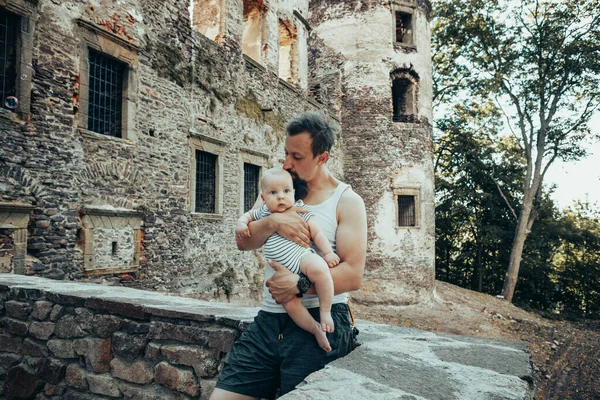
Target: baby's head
{"type": "Point", "coordinates": [277, 189]}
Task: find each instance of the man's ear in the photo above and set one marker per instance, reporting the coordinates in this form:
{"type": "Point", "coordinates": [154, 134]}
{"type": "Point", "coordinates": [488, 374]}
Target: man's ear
{"type": "Point", "coordinates": [323, 157]}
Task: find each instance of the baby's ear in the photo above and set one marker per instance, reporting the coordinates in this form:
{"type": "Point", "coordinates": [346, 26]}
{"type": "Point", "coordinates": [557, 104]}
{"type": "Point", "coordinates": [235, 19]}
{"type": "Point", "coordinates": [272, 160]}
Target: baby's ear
{"type": "Point", "coordinates": [262, 197]}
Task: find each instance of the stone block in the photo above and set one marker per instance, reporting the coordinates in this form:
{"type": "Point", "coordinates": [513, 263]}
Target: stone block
{"type": "Point", "coordinates": [138, 372]}
{"type": "Point", "coordinates": [57, 312]}
{"type": "Point", "coordinates": [207, 386]}
{"type": "Point", "coordinates": [66, 299]}
{"type": "Point", "coordinates": [105, 325]}
{"type": "Point", "coordinates": [41, 330]}
{"type": "Point", "coordinates": [51, 370]}
{"type": "Point", "coordinates": [104, 385]}
{"type": "Point", "coordinates": [14, 326]}
{"type": "Point", "coordinates": [116, 307]}
{"type": "Point", "coordinates": [220, 340]}
{"type": "Point", "coordinates": [128, 346]}
{"type": "Point", "coordinates": [149, 392]}
{"type": "Point", "coordinates": [18, 309]}
{"type": "Point", "coordinates": [183, 333]}
{"type": "Point", "coordinates": [61, 348]}
{"type": "Point", "coordinates": [67, 327]}
{"type": "Point", "coordinates": [130, 326]}
{"type": "Point", "coordinates": [96, 353]}
{"type": "Point", "coordinates": [41, 310]}
{"type": "Point", "coordinates": [54, 390]}
{"type": "Point", "coordinates": [10, 344]}
{"type": "Point", "coordinates": [7, 361]}
{"type": "Point", "coordinates": [34, 348]}
{"type": "Point", "coordinates": [84, 318]}
{"type": "Point", "coordinates": [21, 382]}
{"type": "Point", "coordinates": [175, 378]}
{"type": "Point", "coordinates": [196, 357]}
{"type": "Point", "coordinates": [76, 377]}
{"type": "Point", "coordinates": [152, 351]}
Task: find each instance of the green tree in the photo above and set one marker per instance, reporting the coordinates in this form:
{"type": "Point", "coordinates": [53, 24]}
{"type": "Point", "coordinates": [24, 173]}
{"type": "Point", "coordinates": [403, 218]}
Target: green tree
{"type": "Point", "coordinates": [577, 262]}
{"type": "Point", "coordinates": [538, 61]}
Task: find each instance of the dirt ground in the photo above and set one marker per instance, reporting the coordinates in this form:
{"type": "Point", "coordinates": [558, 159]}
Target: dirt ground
{"type": "Point", "coordinates": [565, 355]}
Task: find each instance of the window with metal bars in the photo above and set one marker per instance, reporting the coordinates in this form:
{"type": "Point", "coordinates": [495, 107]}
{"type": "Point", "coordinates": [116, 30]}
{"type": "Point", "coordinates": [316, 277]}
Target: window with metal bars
{"type": "Point", "coordinates": [9, 24]}
{"type": "Point", "coordinates": [406, 211]}
{"type": "Point", "coordinates": [206, 182]}
{"type": "Point", "coordinates": [105, 110]}
{"type": "Point", "coordinates": [251, 183]}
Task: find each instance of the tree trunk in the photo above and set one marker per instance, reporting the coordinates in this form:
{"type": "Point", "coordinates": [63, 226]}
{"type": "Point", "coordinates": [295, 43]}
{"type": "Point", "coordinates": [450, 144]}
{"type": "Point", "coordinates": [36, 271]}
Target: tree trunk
{"type": "Point", "coordinates": [516, 252]}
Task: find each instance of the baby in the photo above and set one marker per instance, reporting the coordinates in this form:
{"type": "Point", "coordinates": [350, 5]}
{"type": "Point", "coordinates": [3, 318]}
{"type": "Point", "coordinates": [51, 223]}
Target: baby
{"type": "Point", "coordinates": [277, 194]}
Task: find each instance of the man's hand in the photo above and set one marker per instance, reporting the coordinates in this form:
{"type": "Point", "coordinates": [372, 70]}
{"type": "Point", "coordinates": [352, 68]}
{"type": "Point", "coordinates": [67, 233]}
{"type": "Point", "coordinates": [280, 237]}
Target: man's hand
{"type": "Point", "coordinates": [289, 225]}
{"type": "Point", "coordinates": [283, 285]}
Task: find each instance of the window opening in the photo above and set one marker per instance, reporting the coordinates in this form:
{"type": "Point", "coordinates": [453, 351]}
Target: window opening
{"type": "Point", "coordinates": [206, 17]}
{"type": "Point", "coordinates": [251, 185]}
{"type": "Point", "coordinates": [114, 248]}
{"type": "Point", "coordinates": [287, 53]}
{"type": "Point", "coordinates": [8, 57]}
{"type": "Point", "coordinates": [252, 29]}
{"type": "Point", "coordinates": [406, 211]}
{"type": "Point", "coordinates": [206, 179]}
{"type": "Point", "coordinates": [404, 28]}
{"type": "Point", "coordinates": [105, 94]}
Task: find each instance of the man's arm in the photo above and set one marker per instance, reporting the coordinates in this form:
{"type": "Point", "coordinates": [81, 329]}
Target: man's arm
{"type": "Point", "coordinates": [351, 246]}
{"type": "Point", "coordinates": [351, 243]}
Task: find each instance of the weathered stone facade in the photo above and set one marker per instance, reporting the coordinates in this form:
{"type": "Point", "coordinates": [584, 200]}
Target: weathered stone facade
{"type": "Point", "coordinates": [382, 158]}
{"type": "Point", "coordinates": [185, 92]}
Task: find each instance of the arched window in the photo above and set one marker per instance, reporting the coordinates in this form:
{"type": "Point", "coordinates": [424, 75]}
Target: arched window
{"type": "Point", "coordinates": [252, 34]}
{"type": "Point", "coordinates": [405, 85]}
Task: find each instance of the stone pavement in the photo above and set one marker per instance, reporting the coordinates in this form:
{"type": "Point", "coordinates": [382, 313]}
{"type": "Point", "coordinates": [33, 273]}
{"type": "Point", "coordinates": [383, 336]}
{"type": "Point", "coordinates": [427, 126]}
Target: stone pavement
{"type": "Point", "coordinates": [392, 362]}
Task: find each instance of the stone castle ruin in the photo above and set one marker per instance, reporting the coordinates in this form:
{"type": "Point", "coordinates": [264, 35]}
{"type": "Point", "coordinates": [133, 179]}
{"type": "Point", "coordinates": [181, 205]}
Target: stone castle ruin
{"type": "Point", "coordinates": [134, 134]}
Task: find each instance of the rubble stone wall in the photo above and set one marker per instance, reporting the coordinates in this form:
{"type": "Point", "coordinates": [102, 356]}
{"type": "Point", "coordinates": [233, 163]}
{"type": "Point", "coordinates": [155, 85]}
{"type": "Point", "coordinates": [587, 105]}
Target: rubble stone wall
{"type": "Point", "coordinates": [85, 340]}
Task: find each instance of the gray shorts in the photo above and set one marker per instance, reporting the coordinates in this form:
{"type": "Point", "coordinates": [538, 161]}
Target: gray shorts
{"type": "Point", "coordinates": [274, 353]}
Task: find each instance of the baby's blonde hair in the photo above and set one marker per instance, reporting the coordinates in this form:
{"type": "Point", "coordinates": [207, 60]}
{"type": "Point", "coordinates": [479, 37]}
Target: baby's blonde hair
{"type": "Point", "coordinates": [271, 173]}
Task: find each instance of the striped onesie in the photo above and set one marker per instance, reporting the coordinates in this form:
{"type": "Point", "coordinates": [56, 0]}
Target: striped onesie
{"type": "Point", "coordinates": [280, 249]}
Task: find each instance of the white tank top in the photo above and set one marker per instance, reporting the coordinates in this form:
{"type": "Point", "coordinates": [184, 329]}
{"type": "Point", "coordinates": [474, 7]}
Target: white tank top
{"type": "Point", "coordinates": [325, 215]}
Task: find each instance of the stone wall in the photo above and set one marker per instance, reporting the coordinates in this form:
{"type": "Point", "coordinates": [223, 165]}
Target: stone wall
{"type": "Point", "coordinates": [185, 91]}
{"type": "Point", "coordinates": [181, 86]}
{"type": "Point", "coordinates": [80, 341]}
{"type": "Point", "coordinates": [74, 341]}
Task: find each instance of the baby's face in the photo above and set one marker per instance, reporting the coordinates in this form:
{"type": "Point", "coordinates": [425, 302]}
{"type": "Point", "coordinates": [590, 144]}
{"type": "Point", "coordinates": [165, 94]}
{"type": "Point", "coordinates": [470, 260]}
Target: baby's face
{"type": "Point", "coordinates": [278, 192]}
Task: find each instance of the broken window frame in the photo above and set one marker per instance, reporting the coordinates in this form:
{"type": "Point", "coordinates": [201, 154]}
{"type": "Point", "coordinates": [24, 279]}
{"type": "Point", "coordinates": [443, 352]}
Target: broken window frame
{"type": "Point", "coordinates": [99, 40]}
{"type": "Point", "coordinates": [203, 143]}
{"type": "Point", "coordinates": [292, 79]}
{"type": "Point", "coordinates": [23, 43]}
{"type": "Point", "coordinates": [220, 20]}
{"type": "Point", "coordinates": [404, 10]}
{"type": "Point", "coordinates": [259, 7]}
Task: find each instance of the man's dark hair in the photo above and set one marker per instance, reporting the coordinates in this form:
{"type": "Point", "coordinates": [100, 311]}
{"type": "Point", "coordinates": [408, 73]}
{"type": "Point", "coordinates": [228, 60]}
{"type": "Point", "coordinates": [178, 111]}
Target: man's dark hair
{"type": "Point", "coordinates": [319, 128]}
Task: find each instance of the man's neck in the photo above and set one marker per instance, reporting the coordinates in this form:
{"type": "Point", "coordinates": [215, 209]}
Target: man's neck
{"type": "Point", "coordinates": [322, 183]}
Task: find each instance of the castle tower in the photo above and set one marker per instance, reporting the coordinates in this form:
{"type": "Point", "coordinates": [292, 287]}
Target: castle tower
{"type": "Point", "coordinates": [382, 91]}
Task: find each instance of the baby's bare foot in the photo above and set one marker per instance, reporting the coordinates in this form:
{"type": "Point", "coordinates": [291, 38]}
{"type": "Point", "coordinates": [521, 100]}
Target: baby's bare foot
{"type": "Point", "coordinates": [322, 338]}
{"type": "Point", "coordinates": [327, 322]}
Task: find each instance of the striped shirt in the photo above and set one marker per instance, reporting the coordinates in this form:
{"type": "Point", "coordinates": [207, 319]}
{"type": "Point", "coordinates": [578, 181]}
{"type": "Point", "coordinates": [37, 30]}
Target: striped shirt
{"type": "Point", "coordinates": [280, 249]}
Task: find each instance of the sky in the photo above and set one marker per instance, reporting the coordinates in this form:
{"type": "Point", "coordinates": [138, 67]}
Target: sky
{"type": "Point", "coordinates": [578, 180]}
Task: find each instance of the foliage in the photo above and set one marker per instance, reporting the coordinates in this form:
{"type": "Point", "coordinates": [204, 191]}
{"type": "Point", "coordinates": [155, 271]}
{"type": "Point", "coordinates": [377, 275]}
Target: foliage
{"type": "Point", "coordinates": [537, 63]}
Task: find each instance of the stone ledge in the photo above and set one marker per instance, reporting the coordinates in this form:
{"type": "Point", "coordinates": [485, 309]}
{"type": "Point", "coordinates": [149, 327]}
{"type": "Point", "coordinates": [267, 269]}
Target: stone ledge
{"type": "Point", "coordinates": [392, 362]}
{"type": "Point", "coordinates": [128, 302]}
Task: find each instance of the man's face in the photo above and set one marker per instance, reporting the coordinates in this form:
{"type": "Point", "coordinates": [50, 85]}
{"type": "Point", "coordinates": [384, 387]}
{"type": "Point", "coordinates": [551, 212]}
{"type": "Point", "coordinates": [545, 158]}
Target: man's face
{"type": "Point", "coordinates": [278, 192]}
{"type": "Point", "coordinates": [299, 159]}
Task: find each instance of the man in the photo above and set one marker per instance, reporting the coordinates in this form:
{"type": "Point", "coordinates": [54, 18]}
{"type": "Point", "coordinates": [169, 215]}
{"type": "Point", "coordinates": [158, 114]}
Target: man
{"type": "Point", "coordinates": [274, 352]}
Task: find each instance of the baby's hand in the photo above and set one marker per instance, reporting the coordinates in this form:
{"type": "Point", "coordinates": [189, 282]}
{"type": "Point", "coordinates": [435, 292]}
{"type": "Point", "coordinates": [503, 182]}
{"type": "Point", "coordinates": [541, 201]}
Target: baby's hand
{"type": "Point", "coordinates": [331, 259]}
{"type": "Point", "coordinates": [242, 231]}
